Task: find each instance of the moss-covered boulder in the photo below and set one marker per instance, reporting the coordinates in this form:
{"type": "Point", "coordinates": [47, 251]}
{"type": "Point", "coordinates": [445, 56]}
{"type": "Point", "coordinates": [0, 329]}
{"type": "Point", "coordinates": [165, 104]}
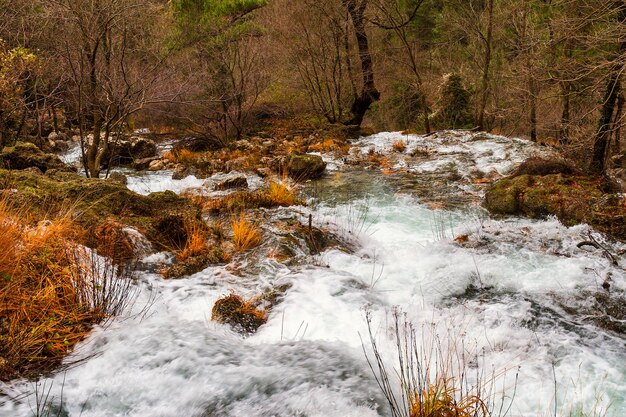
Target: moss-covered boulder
{"type": "Point", "coordinates": [239, 313]}
{"type": "Point", "coordinates": [27, 155]}
{"type": "Point", "coordinates": [573, 199]}
{"type": "Point", "coordinates": [303, 166]}
{"type": "Point", "coordinates": [93, 200]}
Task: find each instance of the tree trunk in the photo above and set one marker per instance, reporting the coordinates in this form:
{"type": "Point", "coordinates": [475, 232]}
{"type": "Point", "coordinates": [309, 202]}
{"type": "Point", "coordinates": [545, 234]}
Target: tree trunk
{"type": "Point", "coordinates": [92, 150]}
{"type": "Point", "coordinates": [617, 125]}
{"type": "Point", "coordinates": [613, 90]}
{"type": "Point", "coordinates": [369, 94]}
{"type": "Point", "coordinates": [532, 84]}
{"type": "Point", "coordinates": [565, 115]}
{"type": "Point", "coordinates": [486, 65]}
{"type": "Point", "coordinates": [604, 126]}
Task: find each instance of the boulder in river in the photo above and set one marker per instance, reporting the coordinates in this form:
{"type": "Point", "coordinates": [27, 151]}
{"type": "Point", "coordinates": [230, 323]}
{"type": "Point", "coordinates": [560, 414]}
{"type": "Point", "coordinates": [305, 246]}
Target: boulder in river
{"type": "Point", "coordinates": [144, 163]}
{"type": "Point", "coordinates": [196, 145]}
{"type": "Point", "coordinates": [231, 183]}
{"type": "Point", "coordinates": [302, 166]}
{"type": "Point", "coordinates": [573, 199]}
{"type": "Point", "coordinates": [239, 313]}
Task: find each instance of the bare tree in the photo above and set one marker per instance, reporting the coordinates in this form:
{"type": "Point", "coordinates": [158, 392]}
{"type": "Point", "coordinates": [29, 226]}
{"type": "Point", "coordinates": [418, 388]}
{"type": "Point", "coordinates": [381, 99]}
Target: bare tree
{"type": "Point", "coordinates": [610, 100]}
{"type": "Point", "coordinates": [392, 16]}
{"type": "Point", "coordinates": [322, 55]}
{"type": "Point", "coordinates": [110, 69]}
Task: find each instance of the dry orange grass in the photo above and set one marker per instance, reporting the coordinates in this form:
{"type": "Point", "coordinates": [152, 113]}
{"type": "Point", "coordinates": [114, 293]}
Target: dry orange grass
{"type": "Point", "coordinates": [439, 400]}
{"type": "Point", "coordinates": [170, 157]}
{"type": "Point", "coordinates": [50, 293]}
{"type": "Point", "coordinates": [282, 194]}
{"type": "Point", "coordinates": [187, 157]}
{"type": "Point", "coordinates": [196, 244]}
{"type": "Point", "coordinates": [245, 234]}
{"type": "Point", "coordinates": [399, 146]}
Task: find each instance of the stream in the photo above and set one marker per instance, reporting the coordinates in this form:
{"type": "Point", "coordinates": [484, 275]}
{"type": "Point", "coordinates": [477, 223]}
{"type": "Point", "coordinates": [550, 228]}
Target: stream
{"type": "Point", "coordinates": [513, 291]}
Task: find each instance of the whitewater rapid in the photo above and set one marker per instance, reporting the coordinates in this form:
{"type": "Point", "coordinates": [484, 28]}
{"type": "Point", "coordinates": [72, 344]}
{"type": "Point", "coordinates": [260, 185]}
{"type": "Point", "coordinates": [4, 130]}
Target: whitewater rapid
{"type": "Point", "coordinates": [502, 290]}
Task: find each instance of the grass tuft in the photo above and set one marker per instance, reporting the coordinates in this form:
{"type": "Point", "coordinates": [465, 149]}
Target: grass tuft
{"type": "Point", "coordinates": [281, 194]}
{"type": "Point", "coordinates": [245, 234]}
{"type": "Point", "coordinates": [196, 244]}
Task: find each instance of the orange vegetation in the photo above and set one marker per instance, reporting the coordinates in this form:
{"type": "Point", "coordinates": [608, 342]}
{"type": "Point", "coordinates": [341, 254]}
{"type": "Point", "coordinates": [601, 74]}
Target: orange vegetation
{"type": "Point", "coordinates": [51, 292]}
{"type": "Point", "coordinates": [196, 243]}
{"type": "Point", "coordinates": [245, 234]}
{"type": "Point", "coordinates": [281, 194]}
{"type": "Point", "coordinates": [238, 312]}
{"type": "Point", "coordinates": [439, 400]}
{"type": "Point", "coordinates": [399, 145]}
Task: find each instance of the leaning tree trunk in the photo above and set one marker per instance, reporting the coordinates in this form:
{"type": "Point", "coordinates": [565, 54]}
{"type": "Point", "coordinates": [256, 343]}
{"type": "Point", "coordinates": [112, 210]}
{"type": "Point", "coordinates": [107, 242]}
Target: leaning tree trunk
{"type": "Point", "coordinates": [613, 90]}
{"type": "Point", "coordinates": [369, 94]}
{"type": "Point", "coordinates": [605, 126]}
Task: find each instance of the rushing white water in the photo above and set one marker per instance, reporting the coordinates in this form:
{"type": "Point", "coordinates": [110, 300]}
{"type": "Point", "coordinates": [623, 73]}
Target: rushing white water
{"type": "Point", "coordinates": [504, 291]}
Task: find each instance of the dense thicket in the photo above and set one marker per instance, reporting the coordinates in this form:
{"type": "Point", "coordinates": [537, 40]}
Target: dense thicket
{"type": "Point", "coordinates": [547, 69]}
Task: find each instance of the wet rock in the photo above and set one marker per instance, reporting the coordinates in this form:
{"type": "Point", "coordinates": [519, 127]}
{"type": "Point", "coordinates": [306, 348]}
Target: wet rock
{"type": "Point", "coordinates": [605, 310]}
{"type": "Point", "coordinates": [144, 163]}
{"type": "Point", "coordinates": [196, 145]}
{"type": "Point", "coordinates": [263, 172]}
{"type": "Point", "coordinates": [195, 264]}
{"type": "Point", "coordinates": [123, 151]}
{"type": "Point", "coordinates": [142, 148]}
{"type": "Point", "coordinates": [237, 164]}
{"type": "Point", "coordinates": [26, 155]}
{"type": "Point", "coordinates": [238, 313]}
{"type": "Point", "coordinates": [243, 145]}
{"type": "Point", "coordinates": [301, 166]}
{"type": "Point", "coordinates": [156, 165]}
{"type": "Point", "coordinates": [231, 183]}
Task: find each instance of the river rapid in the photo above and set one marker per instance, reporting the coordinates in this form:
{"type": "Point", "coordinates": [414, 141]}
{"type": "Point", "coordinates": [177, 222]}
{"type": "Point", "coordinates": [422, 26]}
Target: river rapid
{"type": "Point", "coordinates": [513, 294]}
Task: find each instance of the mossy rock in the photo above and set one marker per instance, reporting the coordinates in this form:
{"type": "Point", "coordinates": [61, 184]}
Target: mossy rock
{"type": "Point", "coordinates": [302, 166]}
{"type": "Point", "coordinates": [26, 155]}
{"type": "Point", "coordinates": [92, 200]}
{"type": "Point", "coordinates": [238, 313]}
{"type": "Point", "coordinates": [573, 199]}
{"type": "Point", "coordinates": [195, 264]}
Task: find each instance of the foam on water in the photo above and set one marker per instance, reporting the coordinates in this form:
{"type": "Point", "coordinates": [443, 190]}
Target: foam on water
{"type": "Point", "coordinates": [496, 291]}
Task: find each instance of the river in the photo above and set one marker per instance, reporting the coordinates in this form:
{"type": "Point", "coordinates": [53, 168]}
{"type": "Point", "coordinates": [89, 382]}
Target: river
{"type": "Point", "coordinates": [508, 292]}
